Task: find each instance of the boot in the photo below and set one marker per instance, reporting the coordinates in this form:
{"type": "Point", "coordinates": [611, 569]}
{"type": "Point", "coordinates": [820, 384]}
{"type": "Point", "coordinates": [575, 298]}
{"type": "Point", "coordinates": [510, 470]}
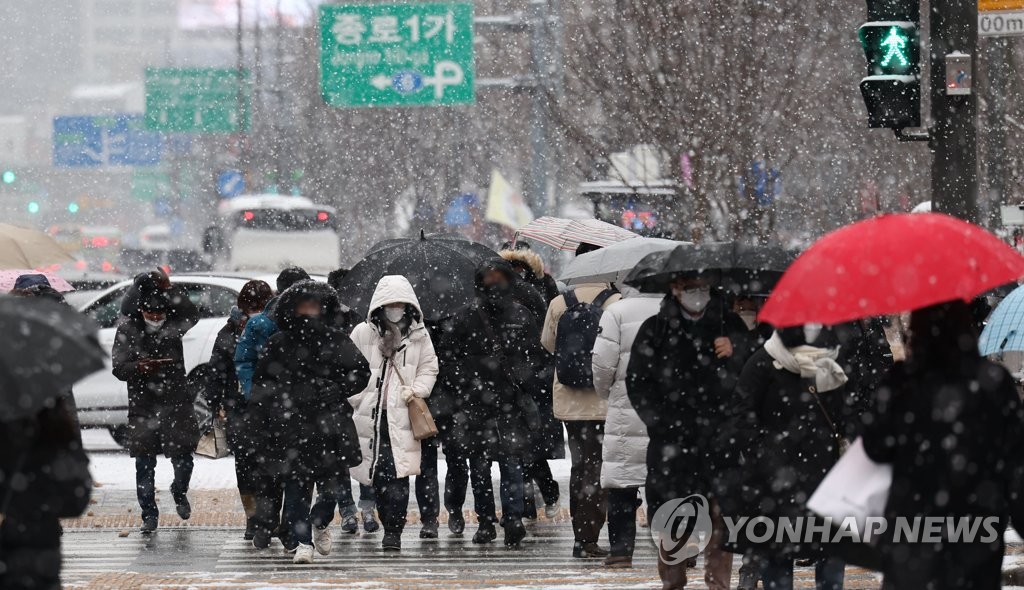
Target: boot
{"type": "Point", "coordinates": [485, 533]}
{"type": "Point", "coordinates": [514, 533]}
{"type": "Point", "coordinates": [673, 577]}
{"type": "Point", "coordinates": [249, 506]}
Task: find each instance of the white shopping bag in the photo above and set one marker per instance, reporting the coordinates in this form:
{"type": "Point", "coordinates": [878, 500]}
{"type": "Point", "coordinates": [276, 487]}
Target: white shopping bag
{"type": "Point", "coordinates": [855, 487]}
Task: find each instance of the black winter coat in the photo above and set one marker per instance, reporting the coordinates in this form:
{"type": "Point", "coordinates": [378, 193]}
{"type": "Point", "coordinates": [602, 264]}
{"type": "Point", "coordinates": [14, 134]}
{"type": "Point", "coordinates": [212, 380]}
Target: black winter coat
{"type": "Point", "coordinates": [486, 375]}
{"type": "Point", "coordinates": [680, 389]}
{"type": "Point", "coordinates": [299, 411]}
{"type": "Point", "coordinates": [222, 392]}
{"type": "Point", "coordinates": [548, 441]}
{"type": "Point", "coordinates": [951, 435]}
{"type": "Point", "coordinates": [786, 440]}
{"type": "Point", "coordinates": [161, 414]}
{"type": "Point", "coordinates": [48, 449]}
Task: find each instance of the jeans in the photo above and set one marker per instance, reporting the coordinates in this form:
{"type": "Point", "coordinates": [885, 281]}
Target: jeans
{"type": "Point", "coordinates": [622, 505]}
{"type": "Point", "coordinates": [392, 492]}
{"type": "Point", "coordinates": [511, 488]}
{"type": "Point", "coordinates": [586, 498]}
{"type": "Point", "coordinates": [427, 494]}
{"type": "Point", "coordinates": [145, 481]}
{"type": "Point", "coordinates": [296, 517]}
{"type": "Point", "coordinates": [338, 492]}
{"type": "Point", "coordinates": [778, 574]}
{"type": "Point", "coordinates": [539, 473]}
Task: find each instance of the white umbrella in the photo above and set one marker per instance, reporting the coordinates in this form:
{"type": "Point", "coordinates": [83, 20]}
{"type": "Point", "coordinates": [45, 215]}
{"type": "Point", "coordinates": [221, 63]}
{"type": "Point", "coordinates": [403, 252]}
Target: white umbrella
{"type": "Point", "coordinates": [613, 263]}
{"type": "Point", "coordinates": [21, 247]}
{"type": "Point", "coordinates": [567, 234]}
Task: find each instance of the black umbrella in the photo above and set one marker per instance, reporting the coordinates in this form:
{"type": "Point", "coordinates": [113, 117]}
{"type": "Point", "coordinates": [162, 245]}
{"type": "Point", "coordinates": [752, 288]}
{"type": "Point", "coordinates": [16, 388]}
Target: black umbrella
{"type": "Point", "coordinates": [47, 346]}
{"type": "Point", "coordinates": [656, 271]}
{"type": "Point", "coordinates": [441, 272]}
{"type": "Point", "coordinates": [458, 242]}
{"type": "Point", "coordinates": [742, 268]}
{"type": "Point", "coordinates": [756, 269]}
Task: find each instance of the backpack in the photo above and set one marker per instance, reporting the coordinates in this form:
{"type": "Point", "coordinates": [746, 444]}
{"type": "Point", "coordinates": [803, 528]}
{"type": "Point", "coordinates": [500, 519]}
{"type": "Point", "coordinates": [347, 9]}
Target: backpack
{"type": "Point", "coordinates": [574, 343]}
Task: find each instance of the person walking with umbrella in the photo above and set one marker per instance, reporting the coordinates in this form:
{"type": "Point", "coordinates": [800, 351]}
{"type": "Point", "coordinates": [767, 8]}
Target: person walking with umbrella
{"type": "Point", "coordinates": [490, 352]}
{"type": "Point", "coordinates": [624, 451]}
{"type": "Point", "coordinates": [580, 408]}
{"type": "Point", "coordinates": [684, 363]}
{"type": "Point", "coordinates": [793, 413]}
{"type": "Point", "coordinates": [951, 425]}
{"type": "Point", "coordinates": [403, 365]}
{"type": "Point", "coordinates": [44, 471]}
{"type": "Point", "coordinates": [300, 413]}
{"type": "Point", "coordinates": [148, 355]}
{"type": "Point", "coordinates": [226, 400]}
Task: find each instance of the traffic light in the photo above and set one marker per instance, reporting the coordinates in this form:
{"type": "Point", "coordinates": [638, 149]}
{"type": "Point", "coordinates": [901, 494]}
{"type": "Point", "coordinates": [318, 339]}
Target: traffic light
{"type": "Point", "coordinates": [33, 207]}
{"type": "Point", "coordinates": [892, 88]}
{"type": "Point", "coordinates": [9, 176]}
{"type": "Point", "coordinates": [72, 207]}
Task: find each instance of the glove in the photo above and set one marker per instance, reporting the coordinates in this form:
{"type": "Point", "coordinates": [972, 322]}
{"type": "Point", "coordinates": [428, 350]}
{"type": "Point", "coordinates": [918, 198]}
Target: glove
{"type": "Point", "coordinates": [407, 393]}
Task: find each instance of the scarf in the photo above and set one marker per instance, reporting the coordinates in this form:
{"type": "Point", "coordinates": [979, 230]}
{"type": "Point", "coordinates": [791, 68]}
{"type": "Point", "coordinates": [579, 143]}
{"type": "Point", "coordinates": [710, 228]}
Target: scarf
{"type": "Point", "coordinates": [808, 362]}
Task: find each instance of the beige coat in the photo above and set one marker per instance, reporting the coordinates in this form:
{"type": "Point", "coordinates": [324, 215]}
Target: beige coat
{"type": "Point", "coordinates": [571, 404]}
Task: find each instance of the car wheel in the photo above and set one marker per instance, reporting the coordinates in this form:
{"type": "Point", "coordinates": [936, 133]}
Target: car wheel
{"type": "Point", "coordinates": [119, 434]}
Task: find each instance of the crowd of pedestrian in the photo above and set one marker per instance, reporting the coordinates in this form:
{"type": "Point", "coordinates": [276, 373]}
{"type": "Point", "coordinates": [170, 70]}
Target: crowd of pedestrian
{"type": "Point", "coordinates": [657, 396]}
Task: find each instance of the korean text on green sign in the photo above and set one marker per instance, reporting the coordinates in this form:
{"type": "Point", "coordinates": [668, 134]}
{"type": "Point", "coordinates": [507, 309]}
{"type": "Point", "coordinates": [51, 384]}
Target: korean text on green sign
{"type": "Point", "coordinates": [196, 100]}
{"type": "Point", "coordinates": [396, 54]}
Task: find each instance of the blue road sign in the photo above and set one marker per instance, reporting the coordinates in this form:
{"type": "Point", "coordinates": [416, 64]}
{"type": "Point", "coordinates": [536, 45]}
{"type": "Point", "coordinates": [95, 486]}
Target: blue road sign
{"type": "Point", "coordinates": [230, 183]}
{"type": "Point", "coordinates": [115, 140]}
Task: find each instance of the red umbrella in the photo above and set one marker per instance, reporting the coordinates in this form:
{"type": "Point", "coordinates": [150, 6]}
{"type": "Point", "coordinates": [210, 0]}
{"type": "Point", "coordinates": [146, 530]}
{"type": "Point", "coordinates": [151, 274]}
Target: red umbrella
{"type": "Point", "coordinates": [890, 264]}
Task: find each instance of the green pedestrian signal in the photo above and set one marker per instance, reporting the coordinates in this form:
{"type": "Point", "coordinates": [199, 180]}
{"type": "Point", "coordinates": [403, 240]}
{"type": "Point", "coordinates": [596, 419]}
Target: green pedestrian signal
{"type": "Point", "coordinates": [9, 177]}
{"type": "Point", "coordinates": [896, 43]}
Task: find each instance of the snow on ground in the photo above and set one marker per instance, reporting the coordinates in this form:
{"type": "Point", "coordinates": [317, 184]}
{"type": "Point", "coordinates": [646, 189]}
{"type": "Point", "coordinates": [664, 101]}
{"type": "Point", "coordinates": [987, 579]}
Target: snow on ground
{"type": "Point", "coordinates": [113, 468]}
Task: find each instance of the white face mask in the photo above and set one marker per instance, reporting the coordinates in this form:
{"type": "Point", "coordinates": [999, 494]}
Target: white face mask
{"type": "Point", "coordinates": [693, 299]}
{"type": "Point", "coordinates": [154, 325]}
{"type": "Point", "coordinates": [394, 314]}
{"type": "Point", "coordinates": [811, 332]}
{"type": "Point", "coordinates": [749, 318]}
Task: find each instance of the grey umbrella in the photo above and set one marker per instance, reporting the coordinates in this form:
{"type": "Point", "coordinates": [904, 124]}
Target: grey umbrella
{"type": "Point", "coordinates": [47, 346]}
{"type": "Point", "coordinates": [613, 263]}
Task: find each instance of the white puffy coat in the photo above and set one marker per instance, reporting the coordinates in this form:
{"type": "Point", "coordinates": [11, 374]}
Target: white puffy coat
{"type": "Point", "coordinates": [415, 364]}
{"type": "Point", "coordinates": [624, 452]}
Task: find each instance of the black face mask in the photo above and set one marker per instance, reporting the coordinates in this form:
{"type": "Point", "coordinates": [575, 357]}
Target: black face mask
{"type": "Point", "coordinates": [308, 323]}
{"type": "Point", "coordinates": [792, 337]}
{"type": "Point", "coordinates": [497, 293]}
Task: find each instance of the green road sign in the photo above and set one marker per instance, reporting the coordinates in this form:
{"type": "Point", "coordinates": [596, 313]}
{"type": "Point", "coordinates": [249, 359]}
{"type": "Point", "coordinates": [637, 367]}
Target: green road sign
{"type": "Point", "coordinates": [196, 100]}
{"type": "Point", "coordinates": [396, 54]}
{"type": "Point", "coordinates": [150, 184]}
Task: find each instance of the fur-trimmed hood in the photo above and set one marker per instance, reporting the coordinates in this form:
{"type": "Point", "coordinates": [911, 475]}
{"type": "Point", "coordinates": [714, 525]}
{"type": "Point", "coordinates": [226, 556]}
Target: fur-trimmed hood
{"type": "Point", "coordinates": [528, 258]}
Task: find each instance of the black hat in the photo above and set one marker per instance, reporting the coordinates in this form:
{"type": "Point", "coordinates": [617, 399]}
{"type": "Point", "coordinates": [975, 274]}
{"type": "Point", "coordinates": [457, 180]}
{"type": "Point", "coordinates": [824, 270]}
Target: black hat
{"type": "Point", "coordinates": [289, 277]}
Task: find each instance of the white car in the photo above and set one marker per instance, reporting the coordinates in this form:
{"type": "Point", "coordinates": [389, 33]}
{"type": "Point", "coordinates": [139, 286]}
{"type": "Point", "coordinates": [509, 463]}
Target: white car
{"type": "Point", "coordinates": [102, 399]}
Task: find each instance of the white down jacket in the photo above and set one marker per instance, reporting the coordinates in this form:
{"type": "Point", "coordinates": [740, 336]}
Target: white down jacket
{"type": "Point", "coordinates": [414, 364]}
{"type": "Point", "coordinates": [624, 452]}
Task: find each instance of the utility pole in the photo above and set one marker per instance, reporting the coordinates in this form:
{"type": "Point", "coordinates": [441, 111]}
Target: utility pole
{"type": "Point", "coordinates": [997, 65]}
{"type": "Point", "coordinates": [543, 22]}
{"type": "Point", "coordinates": [954, 28]}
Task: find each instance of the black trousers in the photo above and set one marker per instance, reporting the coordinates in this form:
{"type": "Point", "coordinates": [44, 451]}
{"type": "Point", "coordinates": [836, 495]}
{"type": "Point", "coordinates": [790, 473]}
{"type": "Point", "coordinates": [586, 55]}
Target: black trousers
{"type": "Point", "coordinates": [392, 491]}
{"type": "Point", "coordinates": [538, 473]}
{"type": "Point", "coordinates": [587, 501]}
{"type": "Point", "coordinates": [427, 492]}
{"type": "Point", "coordinates": [145, 481]}
{"type": "Point", "coordinates": [622, 505]}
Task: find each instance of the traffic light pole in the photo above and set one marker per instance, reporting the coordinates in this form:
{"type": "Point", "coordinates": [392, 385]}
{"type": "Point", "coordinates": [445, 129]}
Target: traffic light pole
{"type": "Point", "coordinates": [954, 27]}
